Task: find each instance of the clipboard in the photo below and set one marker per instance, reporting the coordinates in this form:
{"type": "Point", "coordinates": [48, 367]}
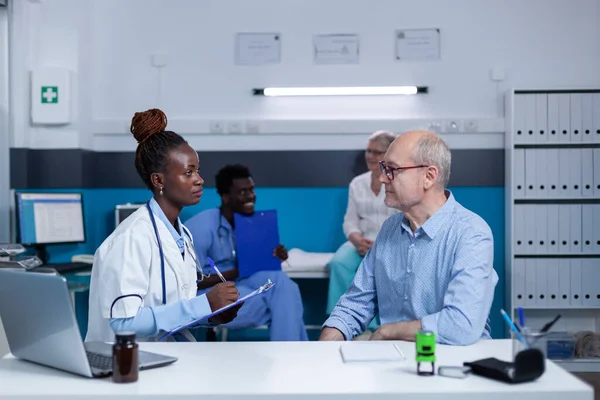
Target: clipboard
{"type": "Point", "coordinates": [256, 236]}
{"type": "Point", "coordinates": [264, 288]}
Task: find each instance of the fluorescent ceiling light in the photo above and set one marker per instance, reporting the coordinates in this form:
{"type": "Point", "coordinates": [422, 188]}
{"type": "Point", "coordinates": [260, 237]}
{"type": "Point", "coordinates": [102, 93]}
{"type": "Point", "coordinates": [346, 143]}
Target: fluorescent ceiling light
{"type": "Point", "coordinates": [340, 91]}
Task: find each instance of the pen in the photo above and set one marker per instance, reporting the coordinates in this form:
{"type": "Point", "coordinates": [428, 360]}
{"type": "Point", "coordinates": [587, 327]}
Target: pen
{"type": "Point", "coordinates": [521, 316]}
{"type": "Point", "coordinates": [513, 327]}
{"type": "Point", "coordinates": [212, 264]}
{"type": "Point", "coordinates": [547, 327]}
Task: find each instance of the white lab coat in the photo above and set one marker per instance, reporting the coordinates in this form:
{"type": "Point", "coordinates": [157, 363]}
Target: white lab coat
{"type": "Point", "coordinates": [126, 274]}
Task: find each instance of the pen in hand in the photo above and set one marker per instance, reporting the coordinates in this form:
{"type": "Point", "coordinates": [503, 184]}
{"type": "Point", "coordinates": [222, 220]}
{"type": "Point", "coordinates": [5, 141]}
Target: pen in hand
{"type": "Point", "coordinates": [212, 264]}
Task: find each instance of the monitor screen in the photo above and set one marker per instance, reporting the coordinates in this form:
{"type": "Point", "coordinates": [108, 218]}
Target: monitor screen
{"type": "Point", "coordinates": [123, 211]}
{"type": "Point", "coordinates": [49, 218]}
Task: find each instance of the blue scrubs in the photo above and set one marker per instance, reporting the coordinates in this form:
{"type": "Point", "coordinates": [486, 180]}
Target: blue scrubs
{"type": "Point", "coordinates": [281, 307]}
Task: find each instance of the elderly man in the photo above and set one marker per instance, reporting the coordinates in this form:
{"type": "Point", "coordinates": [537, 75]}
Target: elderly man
{"type": "Point", "coordinates": [431, 267]}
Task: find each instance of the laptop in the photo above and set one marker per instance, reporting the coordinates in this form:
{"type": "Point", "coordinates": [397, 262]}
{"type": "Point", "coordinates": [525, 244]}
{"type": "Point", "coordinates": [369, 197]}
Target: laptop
{"type": "Point", "coordinates": [40, 326]}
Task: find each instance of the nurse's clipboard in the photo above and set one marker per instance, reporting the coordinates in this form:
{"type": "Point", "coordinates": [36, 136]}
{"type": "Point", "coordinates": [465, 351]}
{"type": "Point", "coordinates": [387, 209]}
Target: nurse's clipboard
{"type": "Point", "coordinates": [256, 236]}
{"type": "Point", "coordinates": [204, 320]}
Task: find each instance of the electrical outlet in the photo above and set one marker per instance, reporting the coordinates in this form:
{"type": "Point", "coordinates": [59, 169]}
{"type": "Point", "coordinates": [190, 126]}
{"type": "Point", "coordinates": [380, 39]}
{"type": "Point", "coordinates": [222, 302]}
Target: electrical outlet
{"type": "Point", "coordinates": [470, 126]}
{"type": "Point", "coordinates": [453, 126]}
{"type": "Point", "coordinates": [216, 127]}
{"type": "Point", "coordinates": [434, 127]}
{"type": "Point", "coordinates": [252, 127]}
{"type": "Point", "coordinates": [235, 127]}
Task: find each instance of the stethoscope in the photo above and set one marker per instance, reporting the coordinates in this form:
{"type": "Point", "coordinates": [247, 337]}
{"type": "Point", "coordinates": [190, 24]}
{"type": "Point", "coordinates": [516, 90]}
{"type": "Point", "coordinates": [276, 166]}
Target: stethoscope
{"type": "Point", "coordinates": [191, 251]}
{"type": "Point", "coordinates": [221, 235]}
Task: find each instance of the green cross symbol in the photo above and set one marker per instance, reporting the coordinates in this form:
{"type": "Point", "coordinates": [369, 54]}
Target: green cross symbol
{"type": "Point", "coordinates": [49, 94]}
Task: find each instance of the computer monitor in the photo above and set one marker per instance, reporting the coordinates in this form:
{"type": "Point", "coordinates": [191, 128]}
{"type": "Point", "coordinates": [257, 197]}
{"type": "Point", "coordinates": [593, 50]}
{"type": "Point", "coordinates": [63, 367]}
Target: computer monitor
{"type": "Point", "coordinates": [123, 211]}
{"type": "Point", "coordinates": [49, 218]}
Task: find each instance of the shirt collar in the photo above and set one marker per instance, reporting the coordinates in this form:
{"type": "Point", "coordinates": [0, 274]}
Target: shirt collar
{"type": "Point", "coordinates": [156, 210]}
{"type": "Point", "coordinates": [436, 222]}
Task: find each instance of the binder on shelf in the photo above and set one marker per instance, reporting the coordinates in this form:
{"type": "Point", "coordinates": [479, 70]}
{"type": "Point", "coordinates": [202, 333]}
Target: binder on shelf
{"type": "Point", "coordinates": [576, 279]}
{"type": "Point", "coordinates": [596, 161]}
{"type": "Point", "coordinates": [541, 177]}
{"type": "Point", "coordinates": [541, 282]}
{"type": "Point", "coordinates": [541, 228]}
{"type": "Point", "coordinates": [541, 120]}
{"type": "Point", "coordinates": [564, 165]}
{"type": "Point", "coordinates": [530, 173]}
{"type": "Point", "coordinates": [564, 229]}
{"type": "Point", "coordinates": [596, 227]}
{"type": "Point", "coordinates": [552, 225]}
{"type": "Point", "coordinates": [587, 228]}
{"type": "Point", "coordinates": [530, 282]}
{"type": "Point", "coordinates": [564, 118]}
{"type": "Point", "coordinates": [575, 227]}
{"type": "Point", "coordinates": [574, 172]}
{"type": "Point", "coordinates": [587, 172]}
{"type": "Point", "coordinates": [530, 118]}
{"type": "Point", "coordinates": [596, 108]}
{"type": "Point", "coordinates": [587, 117]}
{"type": "Point", "coordinates": [553, 114]}
{"type": "Point", "coordinates": [519, 173]}
{"type": "Point", "coordinates": [519, 229]}
{"type": "Point", "coordinates": [519, 135]}
{"type": "Point", "coordinates": [576, 118]}
{"type": "Point", "coordinates": [564, 282]}
{"type": "Point", "coordinates": [553, 169]}
{"type": "Point", "coordinates": [553, 279]}
{"type": "Point", "coordinates": [518, 277]}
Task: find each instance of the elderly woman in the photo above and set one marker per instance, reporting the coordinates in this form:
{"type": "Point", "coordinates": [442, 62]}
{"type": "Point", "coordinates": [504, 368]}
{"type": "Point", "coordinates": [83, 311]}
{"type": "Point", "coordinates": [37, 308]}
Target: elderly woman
{"type": "Point", "coordinates": [364, 216]}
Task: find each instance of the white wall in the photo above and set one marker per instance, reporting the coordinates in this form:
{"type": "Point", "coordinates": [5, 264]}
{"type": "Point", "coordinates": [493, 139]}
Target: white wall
{"type": "Point", "coordinates": [539, 43]}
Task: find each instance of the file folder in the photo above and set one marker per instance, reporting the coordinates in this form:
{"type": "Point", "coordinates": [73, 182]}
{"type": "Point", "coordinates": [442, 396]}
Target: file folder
{"type": "Point", "coordinates": [256, 236]}
{"type": "Point", "coordinates": [204, 320]}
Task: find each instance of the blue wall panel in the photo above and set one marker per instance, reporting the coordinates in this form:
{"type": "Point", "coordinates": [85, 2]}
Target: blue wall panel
{"type": "Point", "coordinates": [309, 218]}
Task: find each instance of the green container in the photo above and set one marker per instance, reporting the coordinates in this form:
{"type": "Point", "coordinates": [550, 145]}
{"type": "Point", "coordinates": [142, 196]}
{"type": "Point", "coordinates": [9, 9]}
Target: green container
{"type": "Point", "coordinates": [425, 341]}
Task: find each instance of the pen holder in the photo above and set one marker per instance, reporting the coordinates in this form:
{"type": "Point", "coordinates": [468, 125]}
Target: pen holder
{"type": "Point", "coordinates": [529, 339]}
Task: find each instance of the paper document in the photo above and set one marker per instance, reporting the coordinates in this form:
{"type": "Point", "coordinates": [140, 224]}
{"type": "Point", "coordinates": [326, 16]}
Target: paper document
{"type": "Point", "coordinates": [363, 351]}
{"type": "Point", "coordinates": [204, 319]}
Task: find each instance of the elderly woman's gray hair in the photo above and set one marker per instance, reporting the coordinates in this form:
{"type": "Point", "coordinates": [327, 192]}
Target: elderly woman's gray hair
{"type": "Point", "coordinates": [432, 150]}
{"type": "Point", "coordinates": [384, 138]}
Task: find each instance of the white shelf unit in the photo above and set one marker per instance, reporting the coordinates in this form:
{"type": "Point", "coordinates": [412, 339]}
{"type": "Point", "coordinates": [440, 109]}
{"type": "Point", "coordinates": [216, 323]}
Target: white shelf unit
{"type": "Point", "coordinates": [552, 154]}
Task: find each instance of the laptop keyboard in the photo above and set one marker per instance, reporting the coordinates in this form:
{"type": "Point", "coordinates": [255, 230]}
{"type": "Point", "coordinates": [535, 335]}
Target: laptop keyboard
{"type": "Point", "coordinates": [99, 361]}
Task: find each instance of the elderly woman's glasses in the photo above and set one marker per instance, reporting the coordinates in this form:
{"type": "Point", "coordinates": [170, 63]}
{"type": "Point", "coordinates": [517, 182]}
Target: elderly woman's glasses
{"type": "Point", "coordinates": [389, 171]}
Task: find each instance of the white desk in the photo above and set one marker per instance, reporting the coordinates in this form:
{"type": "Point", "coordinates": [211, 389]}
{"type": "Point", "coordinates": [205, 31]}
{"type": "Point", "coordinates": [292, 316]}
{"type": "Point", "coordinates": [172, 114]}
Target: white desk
{"type": "Point", "coordinates": [291, 370]}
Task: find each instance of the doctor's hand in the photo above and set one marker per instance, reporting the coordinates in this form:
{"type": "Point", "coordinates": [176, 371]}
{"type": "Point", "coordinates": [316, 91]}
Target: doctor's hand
{"type": "Point", "coordinates": [226, 316]}
{"type": "Point", "coordinates": [281, 252]}
{"type": "Point", "coordinates": [222, 294]}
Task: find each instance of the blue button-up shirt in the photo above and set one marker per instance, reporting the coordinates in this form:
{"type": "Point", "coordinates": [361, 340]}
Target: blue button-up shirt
{"type": "Point", "coordinates": [156, 210]}
{"type": "Point", "coordinates": [214, 237]}
{"type": "Point", "coordinates": [442, 275]}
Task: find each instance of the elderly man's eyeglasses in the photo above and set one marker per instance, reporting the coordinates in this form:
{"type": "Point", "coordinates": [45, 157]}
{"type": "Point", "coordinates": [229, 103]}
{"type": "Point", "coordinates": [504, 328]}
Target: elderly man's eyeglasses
{"type": "Point", "coordinates": [389, 171]}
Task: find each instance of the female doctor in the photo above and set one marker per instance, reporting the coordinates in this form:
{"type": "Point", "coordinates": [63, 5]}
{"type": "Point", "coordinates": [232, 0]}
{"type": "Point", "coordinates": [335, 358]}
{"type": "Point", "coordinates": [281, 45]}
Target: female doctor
{"type": "Point", "coordinates": [145, 273]}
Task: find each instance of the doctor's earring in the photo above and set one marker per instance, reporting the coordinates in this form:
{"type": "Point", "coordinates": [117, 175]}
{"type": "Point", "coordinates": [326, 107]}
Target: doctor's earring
{"type": "Point", "coordinates": [161, 192]}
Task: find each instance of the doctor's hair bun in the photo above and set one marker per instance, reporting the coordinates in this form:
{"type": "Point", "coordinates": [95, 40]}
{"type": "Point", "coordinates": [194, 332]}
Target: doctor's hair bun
{"type": "Point", "coordinates": [147, 123]}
